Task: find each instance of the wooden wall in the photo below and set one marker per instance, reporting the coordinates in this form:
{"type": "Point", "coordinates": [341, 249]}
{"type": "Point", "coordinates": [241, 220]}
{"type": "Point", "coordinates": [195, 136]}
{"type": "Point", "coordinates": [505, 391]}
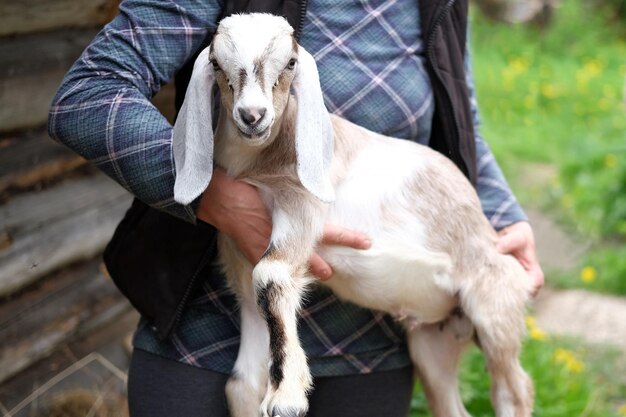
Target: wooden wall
{"type": "Point", "coordinates": [56, 212]}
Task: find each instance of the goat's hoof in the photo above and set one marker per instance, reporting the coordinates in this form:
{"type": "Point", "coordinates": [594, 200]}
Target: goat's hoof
{"type": "Point", "coordinates": [288, 412]}
{"type": "Point", "coordinates": [284, 404]}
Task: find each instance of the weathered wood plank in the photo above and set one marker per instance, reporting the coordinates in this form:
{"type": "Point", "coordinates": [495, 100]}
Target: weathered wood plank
{"type": "Point", "coordinates": [30, 158]}
{"type": "Point", "coordinates": [64, 306]}
{"type": "Point", "coordinates": [57, 226]}
{"type": "Point", "coordinates": [26, 16]}
{"type": "Point", "coordinates": [37, 54]}
{"type": "Point", "coordinates": [25, 101]}
{"type": "Point", "coordinates": [31, 69]}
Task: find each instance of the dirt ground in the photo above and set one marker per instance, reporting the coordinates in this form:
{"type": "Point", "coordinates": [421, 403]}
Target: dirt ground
{"type": "Point", "coordinates": [596, 318]}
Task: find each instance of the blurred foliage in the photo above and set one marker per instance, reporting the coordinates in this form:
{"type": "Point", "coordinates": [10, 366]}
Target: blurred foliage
{"type": "Point", "coordinates": [555, 97]}
{"type": "Point", "coordinates": [615, 8]}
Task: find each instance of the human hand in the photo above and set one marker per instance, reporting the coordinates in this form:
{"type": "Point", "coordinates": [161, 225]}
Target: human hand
{"type": "Point", "coordinates": [518, 240]}
{"type": "Point", "coordinates": [236, 209]}
{"type": "Point", "coordinates": [336, 235]}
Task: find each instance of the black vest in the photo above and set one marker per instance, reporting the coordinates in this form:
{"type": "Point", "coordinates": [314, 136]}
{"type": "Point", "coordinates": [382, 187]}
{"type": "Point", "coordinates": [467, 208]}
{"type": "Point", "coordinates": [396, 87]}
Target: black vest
{"type": "Point", "coordinates": [157, 260]}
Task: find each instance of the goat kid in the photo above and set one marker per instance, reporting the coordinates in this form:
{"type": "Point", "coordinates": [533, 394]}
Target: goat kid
{"type": "Point", "coordinates": [433, 252]}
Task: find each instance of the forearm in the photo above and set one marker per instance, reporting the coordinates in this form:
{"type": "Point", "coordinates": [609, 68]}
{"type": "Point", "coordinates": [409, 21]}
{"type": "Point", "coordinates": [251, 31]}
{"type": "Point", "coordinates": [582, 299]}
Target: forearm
{"type": "Point", "coordinates": [102, 110]}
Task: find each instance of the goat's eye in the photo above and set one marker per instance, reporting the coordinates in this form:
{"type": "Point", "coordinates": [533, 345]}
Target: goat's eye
{"type": "Point", "coordinates": [292, 63]}
{"type": "Point", "coordinates": [216, 66]}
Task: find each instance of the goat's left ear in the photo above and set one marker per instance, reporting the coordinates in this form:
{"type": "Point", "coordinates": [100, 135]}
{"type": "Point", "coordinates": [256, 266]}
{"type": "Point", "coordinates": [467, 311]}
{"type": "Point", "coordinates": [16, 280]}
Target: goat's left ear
{"type": "Point", "coordinates": [192, 137]}
{"type": "Point", "coordinates": [314, 132]}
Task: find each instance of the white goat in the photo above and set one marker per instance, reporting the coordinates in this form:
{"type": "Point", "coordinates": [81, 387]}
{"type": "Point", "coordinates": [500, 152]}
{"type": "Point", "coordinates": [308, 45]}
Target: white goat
{"type": "Point", "coordinates": [433, 252]}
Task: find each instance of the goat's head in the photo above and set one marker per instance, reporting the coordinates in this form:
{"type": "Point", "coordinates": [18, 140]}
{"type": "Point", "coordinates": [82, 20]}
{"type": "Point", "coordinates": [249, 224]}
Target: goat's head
{"type": "Point", "coordinates": [254, 67]}
{"type": "Point", "coordinates": [256, 62]}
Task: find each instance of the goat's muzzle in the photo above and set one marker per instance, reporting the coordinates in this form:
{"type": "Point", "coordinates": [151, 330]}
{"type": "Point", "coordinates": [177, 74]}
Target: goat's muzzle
{"type": "Point", "coordinates": [254, 122]}
{"type": "Point", "coordinates": [251, 116]}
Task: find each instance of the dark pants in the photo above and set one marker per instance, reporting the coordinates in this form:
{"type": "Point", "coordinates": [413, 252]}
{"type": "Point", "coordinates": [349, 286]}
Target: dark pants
{"type": "Point", "coordinates": [158, 387]}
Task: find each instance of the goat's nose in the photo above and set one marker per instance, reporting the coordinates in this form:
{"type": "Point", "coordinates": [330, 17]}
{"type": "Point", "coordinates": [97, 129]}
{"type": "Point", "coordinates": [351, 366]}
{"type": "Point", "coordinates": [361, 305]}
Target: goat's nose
{"type": "Point", "coordinates": [252, 115]}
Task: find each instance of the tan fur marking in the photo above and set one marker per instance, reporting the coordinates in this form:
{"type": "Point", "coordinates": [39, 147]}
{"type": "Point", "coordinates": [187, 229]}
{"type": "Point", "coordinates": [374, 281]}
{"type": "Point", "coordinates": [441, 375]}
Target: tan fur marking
{"type": "Point", "coordinates": [259, 72]}
{"type": "Point", "coordinates": [243, 76]}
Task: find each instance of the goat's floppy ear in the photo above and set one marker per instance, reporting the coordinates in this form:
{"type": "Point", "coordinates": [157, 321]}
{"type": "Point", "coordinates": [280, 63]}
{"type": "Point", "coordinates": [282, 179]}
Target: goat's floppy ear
{"type": "Point", "coordinates": [314, 133]}
{"type": "Point", "coordinates": [192, 138]}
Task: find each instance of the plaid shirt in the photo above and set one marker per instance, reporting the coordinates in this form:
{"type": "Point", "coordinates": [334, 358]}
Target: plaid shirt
{"type": "Point", "coordinates": [369, 55]}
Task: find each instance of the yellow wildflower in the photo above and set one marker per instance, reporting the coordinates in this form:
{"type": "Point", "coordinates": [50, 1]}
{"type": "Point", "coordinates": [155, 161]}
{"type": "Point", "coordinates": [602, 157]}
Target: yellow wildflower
{"type": "Point", "coordinates": [538, 334]}
{"type": "Point", "coordinates": [593, 67]}
{"type": "Point", "coordinates": [561, 355]}
{"type": "Point", "coordinates": [590, 69]}
{"type": "Point", "coordinates": [610, 160]}
{"type": "Point", "coordinates": [569, 360]}
{"type": "Point", "coordinates": [575, 366]}
{"type": "Point", "coordinates": [534, 331]}
{"type": "Point", "coordinates": [519, 65]}
{"type": "Point", "coordinates": [588, 274]}
{"type": "Point", "coordinates": [548, 91]}
{"type": "Point", "coordinates": [622, 410]}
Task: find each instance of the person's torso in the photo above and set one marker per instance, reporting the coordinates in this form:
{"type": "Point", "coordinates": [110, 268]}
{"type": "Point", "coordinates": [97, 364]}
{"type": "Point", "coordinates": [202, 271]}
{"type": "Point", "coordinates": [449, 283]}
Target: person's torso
{"type": "Point", "coordinates": [370, 56]}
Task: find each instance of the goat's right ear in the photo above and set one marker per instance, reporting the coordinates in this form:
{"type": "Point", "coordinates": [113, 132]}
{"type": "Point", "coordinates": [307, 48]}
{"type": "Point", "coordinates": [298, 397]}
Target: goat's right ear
{"type": "Point", "coordinates": [192, 138]}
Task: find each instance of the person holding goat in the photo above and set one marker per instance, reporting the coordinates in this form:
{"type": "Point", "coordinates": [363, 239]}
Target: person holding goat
{"type": "Point", "coordinates": [389, 80]}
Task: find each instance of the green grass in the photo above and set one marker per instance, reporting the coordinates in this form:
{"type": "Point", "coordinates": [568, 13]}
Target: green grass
{"type": "Point", "coordinates": [546, 96]}
{"type": "Point", "coordinates": [570, 380]}
{"type": "Point", "coordinates": [555, 99]}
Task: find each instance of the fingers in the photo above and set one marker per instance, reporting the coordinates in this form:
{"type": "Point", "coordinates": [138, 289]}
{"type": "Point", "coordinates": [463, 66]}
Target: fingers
{"type": "Point", "coordinates": [336, 235]}
{"type": "Point", "coordinates": [319, 267]}
{"type": "Point", "coordinates": [538, 278]}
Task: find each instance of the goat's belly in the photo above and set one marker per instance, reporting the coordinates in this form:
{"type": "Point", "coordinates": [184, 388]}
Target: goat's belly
{"type": "Point", "coordinates": [399, 274]}
{"type": "Point", "coordinates": [404, 284]}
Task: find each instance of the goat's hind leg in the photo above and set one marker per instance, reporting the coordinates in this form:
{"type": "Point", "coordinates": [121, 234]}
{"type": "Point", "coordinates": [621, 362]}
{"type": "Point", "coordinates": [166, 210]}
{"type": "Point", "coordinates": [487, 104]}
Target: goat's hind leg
{"type": "Point", "coordinates": [435, 351]}
{"type": "Point", "coordinates": [496, 306]}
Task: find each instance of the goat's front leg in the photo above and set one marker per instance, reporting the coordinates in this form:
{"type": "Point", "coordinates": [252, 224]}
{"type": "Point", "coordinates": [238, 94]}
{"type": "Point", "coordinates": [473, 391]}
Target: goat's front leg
{"type": "Point", "coordinates": [279, 281]}
{"type": "Point", "coordinates": [246, 386]}
{"type": "Point", "coordinates": [279, 291]}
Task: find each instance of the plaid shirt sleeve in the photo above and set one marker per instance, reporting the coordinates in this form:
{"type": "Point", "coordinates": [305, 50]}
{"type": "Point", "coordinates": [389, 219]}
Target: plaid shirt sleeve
{"type": "Point", "coordinates": [497, 200]}
{"type": "Point", "coordinates": [102, 109]}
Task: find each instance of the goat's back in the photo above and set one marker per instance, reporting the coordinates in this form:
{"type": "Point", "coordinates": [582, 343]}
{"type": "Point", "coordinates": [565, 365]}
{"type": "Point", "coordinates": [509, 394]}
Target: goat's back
{"type": "Point", "coordinates": [397, 189]}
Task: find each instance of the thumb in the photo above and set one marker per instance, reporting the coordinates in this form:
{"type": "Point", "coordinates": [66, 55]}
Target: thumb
{"type": "Point", "coordinates": [510, 242]}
